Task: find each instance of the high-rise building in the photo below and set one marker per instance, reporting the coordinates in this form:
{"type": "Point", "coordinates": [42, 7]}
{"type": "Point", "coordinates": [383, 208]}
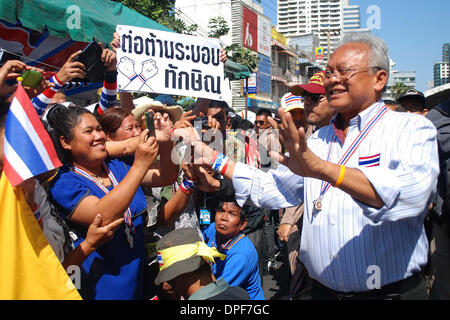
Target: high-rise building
{"type": "Point", "coordinates": [441, 70]}
{"type": "Point", "coordinates": [441, 73]}
{"type": "Point", "coordinates": [328, 19]}
{"type": "Point", "coordinates": [446, 52]}
{"type": "Point", "coordinates": [323, 18]}
{"type": "Point", "coordinates": [351, 17]}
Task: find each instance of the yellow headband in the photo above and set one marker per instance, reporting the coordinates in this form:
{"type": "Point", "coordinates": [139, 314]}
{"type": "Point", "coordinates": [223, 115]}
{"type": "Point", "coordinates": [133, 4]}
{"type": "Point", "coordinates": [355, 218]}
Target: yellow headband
{"type": "Point", "coordinates": [169, 256]}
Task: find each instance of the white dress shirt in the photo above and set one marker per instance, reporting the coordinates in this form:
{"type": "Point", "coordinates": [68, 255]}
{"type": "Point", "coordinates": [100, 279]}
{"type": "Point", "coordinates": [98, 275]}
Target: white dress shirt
{"type": "Point", "coordinates": [349, 246]}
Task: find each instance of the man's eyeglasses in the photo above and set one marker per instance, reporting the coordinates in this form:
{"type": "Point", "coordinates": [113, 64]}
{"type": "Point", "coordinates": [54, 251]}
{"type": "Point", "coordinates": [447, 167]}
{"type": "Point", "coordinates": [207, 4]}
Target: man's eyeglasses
{"type": "Point", "coordinates": [315, 97]}
{"type": "Point", "coordinates": [260, 122]}
{"type": "Point", "coordinates": [346, 74]}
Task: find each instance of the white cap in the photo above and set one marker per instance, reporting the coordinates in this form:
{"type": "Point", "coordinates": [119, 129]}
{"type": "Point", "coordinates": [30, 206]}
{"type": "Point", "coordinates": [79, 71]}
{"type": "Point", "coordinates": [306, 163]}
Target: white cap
{"type": "Point", "coordinates": [290, 102]}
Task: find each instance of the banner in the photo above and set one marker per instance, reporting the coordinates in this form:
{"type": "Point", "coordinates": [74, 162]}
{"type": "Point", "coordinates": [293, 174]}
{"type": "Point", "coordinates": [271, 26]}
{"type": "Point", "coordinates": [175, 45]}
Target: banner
{"type": "Point", "coordinates": [252, 83]}
{"type": "Point", "coordinates": [279, 37]}
{"type": "Point", "coordinates": [257, 32]}
{"type": "Point", "coordinates": [250, 24]}
{"type": "Point", "coordinates": [264, 36]}
{"type": "Point", "coordinates": [157, 61]}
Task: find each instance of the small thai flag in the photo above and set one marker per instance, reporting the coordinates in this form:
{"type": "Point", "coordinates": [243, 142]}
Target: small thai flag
{"type": "Point", "coordinates": [371, 161]}
{"type": "Point", "coordinates": [28, 149]}
{"type": "Point", "coordinates": [160, 260]}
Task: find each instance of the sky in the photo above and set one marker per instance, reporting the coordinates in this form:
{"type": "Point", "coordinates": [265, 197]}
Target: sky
{"type": "Point", "coordinates": [414, 31]}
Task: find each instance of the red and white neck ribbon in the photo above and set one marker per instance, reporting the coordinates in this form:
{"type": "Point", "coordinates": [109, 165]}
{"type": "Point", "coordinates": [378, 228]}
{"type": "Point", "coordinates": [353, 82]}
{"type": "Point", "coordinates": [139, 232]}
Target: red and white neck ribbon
{"type": "Point", "coordinates": [127, 215]}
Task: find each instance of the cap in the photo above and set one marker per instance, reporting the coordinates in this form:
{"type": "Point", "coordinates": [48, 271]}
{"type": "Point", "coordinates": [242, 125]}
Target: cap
{"type": "Point", "coordinates": [290, 102]}
{"type": "Point", "coordinates": [166, 99]}
{"type": "Point", "coordinates": [412, 93]}
{"type": "Point", "coordinates": [175, 111]}
{"type": "Point", "coordinates": [182, 251]}
{"type": "Point", "coordinates": [314, 85]}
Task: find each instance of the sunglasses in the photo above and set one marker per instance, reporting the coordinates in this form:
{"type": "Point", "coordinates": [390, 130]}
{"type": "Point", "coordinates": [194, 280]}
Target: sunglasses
{"type": "Point", "coordinates": [314, 97]}
{"type": "Point", "coordinates": [260, 122]}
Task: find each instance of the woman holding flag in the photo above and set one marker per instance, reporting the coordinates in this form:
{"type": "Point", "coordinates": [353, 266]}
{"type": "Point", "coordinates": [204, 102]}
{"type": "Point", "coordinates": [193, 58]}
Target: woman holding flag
{"type": "Point", "coordinates": [91, 184]}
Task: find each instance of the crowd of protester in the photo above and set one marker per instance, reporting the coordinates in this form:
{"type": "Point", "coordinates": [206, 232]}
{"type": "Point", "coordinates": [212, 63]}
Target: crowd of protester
{"type": "Point", "coordinates": [149, 215]}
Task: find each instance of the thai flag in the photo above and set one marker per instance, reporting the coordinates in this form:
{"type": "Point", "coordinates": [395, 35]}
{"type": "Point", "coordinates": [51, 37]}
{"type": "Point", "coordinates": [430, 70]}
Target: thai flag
{"type": "Point", "coordinates": [293, 99]}
{"type": "Point", "coordinates": [160, 260]}
{"type": "Point", "coordinates": [28, 149]}
{"type": "Point", "coordinates": [371, 161]}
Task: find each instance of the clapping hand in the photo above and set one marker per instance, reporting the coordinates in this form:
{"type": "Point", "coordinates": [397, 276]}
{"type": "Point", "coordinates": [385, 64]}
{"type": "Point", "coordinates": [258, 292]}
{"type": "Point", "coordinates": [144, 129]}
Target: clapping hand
{"type": "Point", "coordinates": [301, 160]}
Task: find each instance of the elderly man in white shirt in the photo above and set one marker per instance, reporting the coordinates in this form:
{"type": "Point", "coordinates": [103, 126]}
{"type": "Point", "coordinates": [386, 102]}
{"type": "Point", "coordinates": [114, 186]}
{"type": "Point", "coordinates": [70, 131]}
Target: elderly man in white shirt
{"type": "Point", "coordinates": [366, 181]}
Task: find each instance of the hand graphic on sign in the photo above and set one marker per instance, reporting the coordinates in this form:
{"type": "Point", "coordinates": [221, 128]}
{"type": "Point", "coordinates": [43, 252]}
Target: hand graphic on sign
{"type": "Point", "coordinates": [149, 69]}
{"type": "Point", "coordinates": [126, 67]}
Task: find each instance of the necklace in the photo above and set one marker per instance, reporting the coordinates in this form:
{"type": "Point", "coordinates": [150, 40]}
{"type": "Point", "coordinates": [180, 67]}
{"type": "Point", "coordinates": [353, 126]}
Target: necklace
{"type": "Point", "coordinates": [100, 180]}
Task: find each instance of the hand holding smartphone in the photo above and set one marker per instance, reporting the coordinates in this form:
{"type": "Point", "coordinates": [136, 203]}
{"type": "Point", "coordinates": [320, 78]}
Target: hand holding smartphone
{"type": "Point", "coordinates": [90, 57]}
{"type": "Point", "coordinates": [150, 124]}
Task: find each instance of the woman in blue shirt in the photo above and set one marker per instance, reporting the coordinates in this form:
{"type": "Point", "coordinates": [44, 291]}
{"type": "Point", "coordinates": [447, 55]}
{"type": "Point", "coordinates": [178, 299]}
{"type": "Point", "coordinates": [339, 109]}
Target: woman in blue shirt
{"type": "Point", "coordinates": [90, 183]}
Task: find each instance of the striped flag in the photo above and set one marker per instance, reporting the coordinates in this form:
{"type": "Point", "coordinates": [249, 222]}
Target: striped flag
{"type": "Point", "coordinates": [371, 161]}
{"type": "Point", "coordinates": [28, 148]}
{"type": "Point", "coordinates": [29, 268]}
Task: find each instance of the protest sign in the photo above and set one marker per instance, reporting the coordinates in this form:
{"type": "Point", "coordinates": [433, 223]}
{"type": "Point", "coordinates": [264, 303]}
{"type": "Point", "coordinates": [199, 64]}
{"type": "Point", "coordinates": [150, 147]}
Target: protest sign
{"type": "Point", "coordinates": [157, 61]}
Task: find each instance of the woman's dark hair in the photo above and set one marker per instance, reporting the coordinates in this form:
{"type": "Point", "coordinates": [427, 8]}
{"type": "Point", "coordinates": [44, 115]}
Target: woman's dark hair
{"type": "Point", "coordinates": [235, 121]}
{"type": "Point", "coordinates": [112, 119]}
{"type": "Point", "coordinates": [60, 123]}
{"type": "Point", "coordinates": [4, 109]}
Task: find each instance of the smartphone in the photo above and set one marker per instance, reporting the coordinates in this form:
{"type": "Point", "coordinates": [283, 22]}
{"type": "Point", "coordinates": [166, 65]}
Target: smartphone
{"type": "Point", "coordinates": [150, 124]}
{"type": "Point", "coordinates": [91, 58]}
{"type": "Point", "coordinates": [31, 78]}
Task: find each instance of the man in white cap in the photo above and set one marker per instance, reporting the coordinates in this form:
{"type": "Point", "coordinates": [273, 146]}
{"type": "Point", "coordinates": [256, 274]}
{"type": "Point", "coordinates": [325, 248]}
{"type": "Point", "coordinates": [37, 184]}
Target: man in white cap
{"type": "Point", "coordinates": [294, 105]}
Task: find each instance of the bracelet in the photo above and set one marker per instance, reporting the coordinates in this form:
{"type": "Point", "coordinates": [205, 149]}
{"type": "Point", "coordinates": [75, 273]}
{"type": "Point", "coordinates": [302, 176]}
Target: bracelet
{"type": "Point", "coordinates": [220, 163]}
{"type": "Point", "coordinates": [225, 166]}
{"type": "Point", "coordinates": [341, 177]}
{"type": "Point", "coordinates": [214, 158]}
{"type": "Point", "coordinates": [187, 186]}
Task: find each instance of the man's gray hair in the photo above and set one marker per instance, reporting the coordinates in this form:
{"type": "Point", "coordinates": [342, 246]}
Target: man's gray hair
{"type": "Point", "coordinates": [378, 56]}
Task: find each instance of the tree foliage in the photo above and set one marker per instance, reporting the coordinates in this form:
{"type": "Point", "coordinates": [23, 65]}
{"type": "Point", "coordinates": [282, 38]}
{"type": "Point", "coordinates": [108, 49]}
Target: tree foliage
{"type": "Point", "coordinates": [218, 27]}
{"type": "Point", "coordinates": [161, 11]}
{"type": "Point", "coordinates": [243, 56]}
{"type": "Point", "coordinates": [398, 89]}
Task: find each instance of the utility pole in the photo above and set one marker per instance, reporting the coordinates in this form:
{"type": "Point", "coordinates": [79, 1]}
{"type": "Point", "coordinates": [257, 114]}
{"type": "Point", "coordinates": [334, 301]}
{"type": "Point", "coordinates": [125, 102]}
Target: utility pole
{"type": "Point", "coordinates": [328, 32]}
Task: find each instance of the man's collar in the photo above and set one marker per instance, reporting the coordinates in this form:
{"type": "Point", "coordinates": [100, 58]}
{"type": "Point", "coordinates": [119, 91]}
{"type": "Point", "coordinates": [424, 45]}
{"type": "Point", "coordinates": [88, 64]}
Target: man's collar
{"type": "Point", "coordinates": [210, 290]}
{"type": "Point", "coordinates": [359, 120]}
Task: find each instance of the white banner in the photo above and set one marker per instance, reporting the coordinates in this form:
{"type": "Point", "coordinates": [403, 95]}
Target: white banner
{"type": "Point", "coordinates": [167, 62]}
{"type": "Point", "coordinates": [264, 35]}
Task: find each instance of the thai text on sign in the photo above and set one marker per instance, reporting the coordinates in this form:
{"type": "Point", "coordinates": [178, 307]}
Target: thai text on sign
{"type": "Point", "coordinates": [157, 61]}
